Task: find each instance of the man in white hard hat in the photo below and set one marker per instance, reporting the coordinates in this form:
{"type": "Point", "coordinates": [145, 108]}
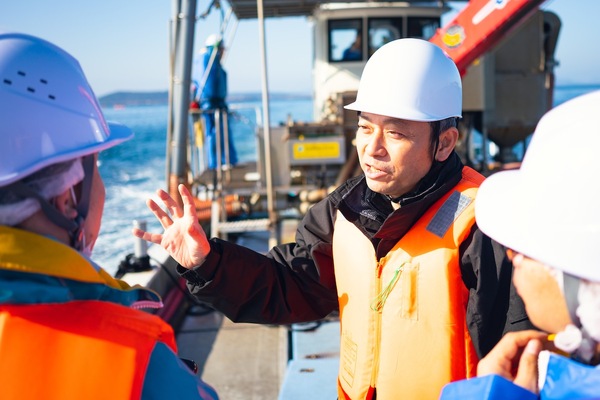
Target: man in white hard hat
{"type": "Point", "coordinates": [422, 294]}
{"type": "Point", "coordinates": [210, 93]}
{"type": "Point", "coordinates": [554, 246]}
{"type": "Point", "coordinates": [68, 330]}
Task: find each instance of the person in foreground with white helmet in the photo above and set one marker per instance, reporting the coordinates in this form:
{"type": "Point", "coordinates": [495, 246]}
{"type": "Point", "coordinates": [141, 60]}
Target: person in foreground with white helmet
{"type": "Point", "coordinates": [554, 246]}
{"type": "Point", "coordinates": [421, 293]}
{"type": "Point", "coordinates": [68, 330]}
{"type": "Point", "coordinates": [210, 95]}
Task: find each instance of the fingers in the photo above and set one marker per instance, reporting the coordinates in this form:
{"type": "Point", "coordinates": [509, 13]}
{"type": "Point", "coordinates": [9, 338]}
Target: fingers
{"type": "Point", "coordinates": [504, 357]}
{"type": "Point", "coordinates": [171, 204]}
{"type": "Point", "coordinates": [527, 375]}
{"type": "Point", "coordinates": [185, 193]}
{"type": "Point", "coordinates": [189, 208]}
{"type": "Point", "coordinates": [175, 211]}
{"type": "Point", "coordinates": [160, 214]}
{"type": "Point", "coordinates": [513, 342]}
{"type": "Point", "coordinates": [155, 238]}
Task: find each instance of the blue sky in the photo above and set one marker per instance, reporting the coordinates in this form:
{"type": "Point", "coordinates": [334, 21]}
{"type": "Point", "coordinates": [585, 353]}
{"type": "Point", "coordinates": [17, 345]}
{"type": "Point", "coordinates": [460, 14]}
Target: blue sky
{"type": "Point", "coordinates": [123, 44]}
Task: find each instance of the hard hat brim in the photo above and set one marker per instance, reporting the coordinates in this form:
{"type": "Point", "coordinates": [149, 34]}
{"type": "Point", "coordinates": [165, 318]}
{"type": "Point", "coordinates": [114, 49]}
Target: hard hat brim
{"type": "Point", "coordinates": [397, 112]}
{"type": "Point", "coordinates": [508, 209]}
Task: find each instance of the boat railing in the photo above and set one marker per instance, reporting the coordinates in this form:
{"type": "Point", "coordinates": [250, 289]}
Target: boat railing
{"type": "Point", "coordinates": [224, 183]}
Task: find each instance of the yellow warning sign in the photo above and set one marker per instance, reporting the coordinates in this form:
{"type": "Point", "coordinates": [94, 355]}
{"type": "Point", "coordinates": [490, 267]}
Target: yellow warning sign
{"type": "Point", "coordinates": [307, 150]}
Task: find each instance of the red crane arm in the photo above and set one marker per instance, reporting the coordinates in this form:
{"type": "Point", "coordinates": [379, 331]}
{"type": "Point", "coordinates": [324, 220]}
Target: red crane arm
{"type": "Point", "coordinates": [479, 26]}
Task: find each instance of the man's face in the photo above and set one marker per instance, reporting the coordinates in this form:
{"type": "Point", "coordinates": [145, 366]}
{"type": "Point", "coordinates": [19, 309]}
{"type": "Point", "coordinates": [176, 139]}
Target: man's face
{"type": "Point", "coordinates": [541, 293]}
{"type": "Point", "coordinates": [394, 154]}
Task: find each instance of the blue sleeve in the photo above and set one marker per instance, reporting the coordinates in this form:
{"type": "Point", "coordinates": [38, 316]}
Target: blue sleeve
{"type": "Point", "coordinates": [568, 379]}
{"type": "Point", "coordinates": [490, 387]}
{"type": "Point", "coordinates": [168, 377]}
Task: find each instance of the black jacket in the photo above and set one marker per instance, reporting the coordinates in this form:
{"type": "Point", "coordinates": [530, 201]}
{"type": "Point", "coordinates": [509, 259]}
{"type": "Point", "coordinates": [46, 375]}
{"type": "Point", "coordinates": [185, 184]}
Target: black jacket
{"type": "Point", "coordinates": [295, 282]}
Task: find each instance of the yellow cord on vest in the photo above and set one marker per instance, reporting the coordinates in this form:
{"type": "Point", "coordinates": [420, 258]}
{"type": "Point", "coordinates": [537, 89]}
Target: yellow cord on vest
{"type": "Point", "coordinates": [379, 301]}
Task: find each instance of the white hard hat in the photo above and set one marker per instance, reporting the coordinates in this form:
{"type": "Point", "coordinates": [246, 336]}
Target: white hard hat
{"type": "Point", "coordinates": [548, 209]}
{"type": "Point", "coordinates": [410, 79]}
{"type": "Point", "coordinates": [48, 111]}
{"type": "Point", "coordinates": [213, 39]}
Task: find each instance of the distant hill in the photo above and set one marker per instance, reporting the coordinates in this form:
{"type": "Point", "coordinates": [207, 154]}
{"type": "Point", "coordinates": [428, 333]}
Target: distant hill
{"type": "Point", "coordinates": [118, 99]}
{"type": "Point", "coordinates": [125, 99]}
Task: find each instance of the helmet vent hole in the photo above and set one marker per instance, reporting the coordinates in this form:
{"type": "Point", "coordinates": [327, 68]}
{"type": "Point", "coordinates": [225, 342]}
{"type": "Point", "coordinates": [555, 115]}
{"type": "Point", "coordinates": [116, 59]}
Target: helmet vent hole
{"type": "Point", "coordinates": [45, 82]}
{"type": "Point", "coordinates": [21, 73]}
{"type": "Point", "coordinates": [51, 97]}
{"type": "Point", "coordinates": [31, 90]}
{"type": "Point", "coordinates": [7, 82]}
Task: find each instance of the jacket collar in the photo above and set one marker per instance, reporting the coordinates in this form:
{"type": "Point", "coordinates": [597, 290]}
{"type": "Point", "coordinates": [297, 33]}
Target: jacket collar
{"type": "Point", "coordinates": [373, 214]}
{"type": "Point", "coordinates": [23, 252]}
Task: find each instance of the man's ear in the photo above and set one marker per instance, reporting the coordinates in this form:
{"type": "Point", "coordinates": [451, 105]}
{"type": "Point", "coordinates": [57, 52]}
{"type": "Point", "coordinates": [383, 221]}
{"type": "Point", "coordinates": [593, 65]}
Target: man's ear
{"type": "Point", "coordinates": [65, 204]}
{"type": "Point", "coordinates": [446, 145]}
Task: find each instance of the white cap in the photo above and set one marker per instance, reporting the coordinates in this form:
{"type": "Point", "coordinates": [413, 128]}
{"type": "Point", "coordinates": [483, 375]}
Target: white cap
{"type": "Point", "coordinates": [549, 209]}
{"type": "Point", "coordinates": [213, 39]}
{"type": "Point", "coordinates": [410, 79]}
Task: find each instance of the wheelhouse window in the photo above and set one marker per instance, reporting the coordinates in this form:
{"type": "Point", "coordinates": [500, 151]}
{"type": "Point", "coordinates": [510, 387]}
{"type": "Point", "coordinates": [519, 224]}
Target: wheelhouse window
{"type": "Point", "coordinates": [349, 42]}
{"type": "Point", "coordinates": [345, 40]}
{"type": "Point", "coordinates": [422, 27]}
{"type": "Point", "coordinates": [382, 31]}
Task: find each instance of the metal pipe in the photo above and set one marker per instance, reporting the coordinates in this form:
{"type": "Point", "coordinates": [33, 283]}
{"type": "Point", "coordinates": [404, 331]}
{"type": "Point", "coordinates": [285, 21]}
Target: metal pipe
{"type": "Point", "coordinates": [173, 27]}
{"type": "Point", "coordinates": [184, 39]}
{"type": "Point", "coordinates": [266, 120]}
{"type": "Point", "coordinates": [218, 147]}
{"type": "Point", "coordinates": [140, 245]}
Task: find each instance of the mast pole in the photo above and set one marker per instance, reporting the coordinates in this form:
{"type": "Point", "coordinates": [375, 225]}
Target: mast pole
{"type": "Point", "coordinates": [185, 17]}
{"type": "Point", "coordinates": [266, 123]}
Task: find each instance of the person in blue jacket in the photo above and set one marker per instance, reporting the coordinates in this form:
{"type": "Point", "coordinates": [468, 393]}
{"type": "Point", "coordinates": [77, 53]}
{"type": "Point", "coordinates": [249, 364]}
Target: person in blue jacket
{"type": "Point", "coordinates": [547, 215]}
{"type": "Point", "coordinates": [67, 328]}
{"type": "Point", "coordinates": [210, 92]}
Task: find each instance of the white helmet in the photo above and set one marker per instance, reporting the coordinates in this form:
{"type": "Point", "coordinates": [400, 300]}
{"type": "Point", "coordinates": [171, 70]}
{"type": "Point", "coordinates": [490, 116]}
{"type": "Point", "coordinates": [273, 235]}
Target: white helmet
{"type": "Point", "coordinates": [410, 79]}
{"type": "Point", "coordinates": [548, 209]}
{"type": "Point", "coordinates": [213, 39]}
{"type": "Point", "coordinates": [48, 111]}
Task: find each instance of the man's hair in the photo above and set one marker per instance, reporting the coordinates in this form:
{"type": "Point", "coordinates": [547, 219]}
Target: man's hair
{"type": "Point", "coordinates": [437, 127]}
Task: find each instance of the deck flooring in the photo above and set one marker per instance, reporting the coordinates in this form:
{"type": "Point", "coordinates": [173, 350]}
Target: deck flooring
{"type": "Point", "coordinates": [241, 361]}
{"type": "Point", "coordinates": [250, 361]}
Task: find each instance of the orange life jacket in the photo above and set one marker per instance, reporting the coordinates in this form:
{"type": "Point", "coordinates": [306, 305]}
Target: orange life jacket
{"type": "Point", "coordinates": [76, 350]}
{"type": "Point", "coordinates": [403, 318]}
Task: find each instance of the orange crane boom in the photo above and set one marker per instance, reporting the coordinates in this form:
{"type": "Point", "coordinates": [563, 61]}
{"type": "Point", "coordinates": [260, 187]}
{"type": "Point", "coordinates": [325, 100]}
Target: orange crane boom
{"type": "Point", "coordinates": [479, 26]}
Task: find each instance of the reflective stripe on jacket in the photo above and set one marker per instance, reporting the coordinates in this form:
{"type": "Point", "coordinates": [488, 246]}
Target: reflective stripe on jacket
{"type": "Point", "coordinates": [403, 317]}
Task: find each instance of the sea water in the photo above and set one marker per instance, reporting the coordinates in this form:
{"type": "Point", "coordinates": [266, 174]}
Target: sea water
{"type": "Point", "coordinates": [134, 170]}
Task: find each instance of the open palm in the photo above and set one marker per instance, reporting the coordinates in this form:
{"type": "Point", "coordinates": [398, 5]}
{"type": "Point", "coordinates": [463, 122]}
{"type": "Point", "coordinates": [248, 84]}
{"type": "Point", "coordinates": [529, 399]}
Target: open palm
{"type": "Point", "coordinates": [183, 237]}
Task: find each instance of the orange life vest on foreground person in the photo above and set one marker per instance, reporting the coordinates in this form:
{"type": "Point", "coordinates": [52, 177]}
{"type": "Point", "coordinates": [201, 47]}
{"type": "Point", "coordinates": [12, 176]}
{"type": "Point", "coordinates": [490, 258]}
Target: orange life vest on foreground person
{"type": "Point", "coordinates": [403, 326]}
{"type": "Point", "coordinates": [68, 330]}
{"type": "Point", "coordinates": [80, 349]}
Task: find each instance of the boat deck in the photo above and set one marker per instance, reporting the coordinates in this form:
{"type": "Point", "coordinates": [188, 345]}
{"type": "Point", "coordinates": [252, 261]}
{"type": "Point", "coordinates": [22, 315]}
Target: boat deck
{"type": "Point", "coordinates": [241, 361]}
{"type": "Point", "coordinates": [261, 362]}
{"type": "Point", "coordinates": [248, 361]}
